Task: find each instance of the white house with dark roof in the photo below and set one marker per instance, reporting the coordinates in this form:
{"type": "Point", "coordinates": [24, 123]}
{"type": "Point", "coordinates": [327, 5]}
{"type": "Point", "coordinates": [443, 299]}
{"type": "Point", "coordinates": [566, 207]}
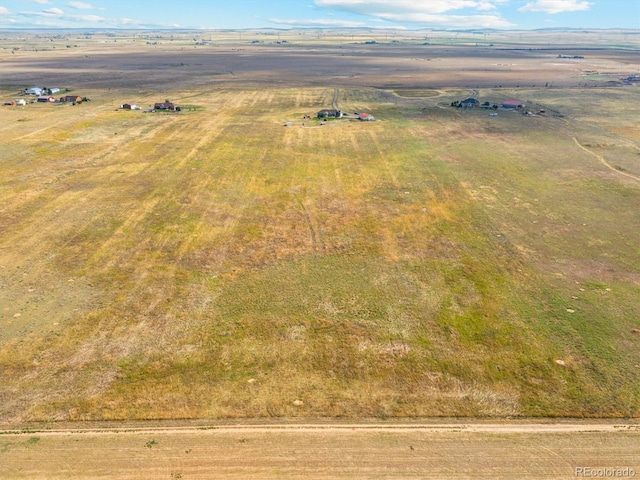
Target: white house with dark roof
{"type": "Point", "coordinates": [326, 113]}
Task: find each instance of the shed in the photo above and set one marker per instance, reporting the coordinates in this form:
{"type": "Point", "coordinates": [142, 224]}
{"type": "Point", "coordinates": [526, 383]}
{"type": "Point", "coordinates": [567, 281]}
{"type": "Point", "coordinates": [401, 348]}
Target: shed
{"type": "Point", "coordinates": [46, 98]}
{"type": "Point", "coordinates": [130, 106]}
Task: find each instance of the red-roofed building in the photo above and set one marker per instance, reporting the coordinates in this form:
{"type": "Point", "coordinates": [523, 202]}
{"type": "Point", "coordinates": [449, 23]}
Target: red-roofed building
{"type": "Point", "coordinates": [366, 117]}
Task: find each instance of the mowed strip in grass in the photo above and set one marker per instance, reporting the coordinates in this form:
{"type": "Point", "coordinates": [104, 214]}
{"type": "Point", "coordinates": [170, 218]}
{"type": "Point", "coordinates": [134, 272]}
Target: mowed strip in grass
{"type": "Point", "coordinates": [419, 265]}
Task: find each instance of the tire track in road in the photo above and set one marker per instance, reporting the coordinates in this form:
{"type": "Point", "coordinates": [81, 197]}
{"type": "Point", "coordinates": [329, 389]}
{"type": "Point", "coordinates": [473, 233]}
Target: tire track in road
{"type": "Point", "coordinates": [471, 427]}
{"type": "Point", "coordinates": [601, 159]}
{"type": "Point", "coordinates": [336, 450]}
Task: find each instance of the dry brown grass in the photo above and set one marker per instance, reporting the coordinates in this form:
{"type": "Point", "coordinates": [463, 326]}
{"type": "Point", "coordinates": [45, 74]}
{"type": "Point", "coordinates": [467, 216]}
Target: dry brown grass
{"type": "Point", "coordinates": [217, 264]}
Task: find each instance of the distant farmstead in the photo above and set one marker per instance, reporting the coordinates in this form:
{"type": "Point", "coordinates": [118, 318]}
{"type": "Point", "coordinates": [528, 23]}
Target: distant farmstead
{"type": "Point", "coordinates": [329, 113]}
{"type": "Point", "coordinates": [470, 102]}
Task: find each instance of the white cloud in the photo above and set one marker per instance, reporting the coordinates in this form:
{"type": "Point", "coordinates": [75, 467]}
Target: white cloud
{"type": "Point", "coordinates": [53, 11]}
{"type": "Point", "coordinates": [50, 12]}
{"type": "Point", "coordinates": [486, 6]}
{"type": "Point", "coordinates": [128, 21]}
{"type": "Point", "coordinates": [459, 21]}
{"type": "Point", "coordinates": [321, 22]}
{"type": "Point", "coordinates": [369, 7]}
{"type": "Point", "coordinates": [81, 6]}
{"type": "Point", "coordinates": [556, 6]}
{"type": "Point", "coordinates": [41, 2]}
{"type": "Point", "coordinates": [57, 18]}
{"type": "Point", "coordinates": [87, 18]}
{"type": "Point", "coordinates": [432, 12]}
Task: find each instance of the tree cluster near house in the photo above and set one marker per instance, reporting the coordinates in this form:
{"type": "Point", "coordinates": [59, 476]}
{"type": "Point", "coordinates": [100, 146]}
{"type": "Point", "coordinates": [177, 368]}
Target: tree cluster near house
{"type": "Point", "coordinates": [334, 113]}
{"type": "Point", "coordinates": [166, 106]}
{"type": "Point", "coordinates": [474, 102]}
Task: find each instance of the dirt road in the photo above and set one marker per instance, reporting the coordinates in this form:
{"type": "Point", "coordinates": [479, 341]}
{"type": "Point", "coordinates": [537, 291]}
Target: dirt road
{"type": "Point", "coordinates": [329, 451]}
{"type": "Point", "coordinates": [488, 428]}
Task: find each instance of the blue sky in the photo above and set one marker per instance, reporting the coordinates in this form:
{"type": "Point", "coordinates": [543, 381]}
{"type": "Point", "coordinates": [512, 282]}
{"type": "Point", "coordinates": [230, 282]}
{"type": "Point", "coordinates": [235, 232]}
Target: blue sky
{"type": "Point", "coordinates": [237, 14]}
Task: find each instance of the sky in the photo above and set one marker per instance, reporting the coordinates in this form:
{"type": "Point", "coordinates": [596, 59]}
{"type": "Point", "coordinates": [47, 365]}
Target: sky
{"type": "Point", "coordinates": [286, 14]}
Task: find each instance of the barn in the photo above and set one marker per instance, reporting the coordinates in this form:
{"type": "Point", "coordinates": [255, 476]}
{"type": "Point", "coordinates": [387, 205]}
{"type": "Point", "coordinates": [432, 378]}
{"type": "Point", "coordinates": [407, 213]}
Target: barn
{"type": "Point", "coordinates": [71, 99]}
{"type": "Point", "coordinates": [46, 98]}
{"type": "Point", "coordinates": [37, 91]}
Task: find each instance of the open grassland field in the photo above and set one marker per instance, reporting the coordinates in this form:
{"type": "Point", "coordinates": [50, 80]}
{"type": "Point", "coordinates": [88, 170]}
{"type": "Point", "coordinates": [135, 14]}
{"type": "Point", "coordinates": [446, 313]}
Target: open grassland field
{"type": "Point", "coordinates": [325, 452]}
{"type": "Point", "coordinates": [214, 263]}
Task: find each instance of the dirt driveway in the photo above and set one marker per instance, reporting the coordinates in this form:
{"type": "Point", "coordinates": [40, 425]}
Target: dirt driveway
{"type": "Point", "coordinates": [328, 451]}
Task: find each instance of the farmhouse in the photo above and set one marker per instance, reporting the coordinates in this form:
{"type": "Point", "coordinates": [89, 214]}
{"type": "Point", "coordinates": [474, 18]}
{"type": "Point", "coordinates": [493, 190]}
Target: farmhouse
{"type": "Point", "coordinates": [71, 99]}
{"type": "Point", "coordinates": [365, 117]}
{"type": "Point", "coordinates": [166, 106]}
{"type": "Point", "coordinates": [329, 113]}
{"type": "Point", "coordinates": [511, 104]}
{"type": "Point", "coordinates": [46, 98]}
{"type": "Point", "coordinates": [470, 102]}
